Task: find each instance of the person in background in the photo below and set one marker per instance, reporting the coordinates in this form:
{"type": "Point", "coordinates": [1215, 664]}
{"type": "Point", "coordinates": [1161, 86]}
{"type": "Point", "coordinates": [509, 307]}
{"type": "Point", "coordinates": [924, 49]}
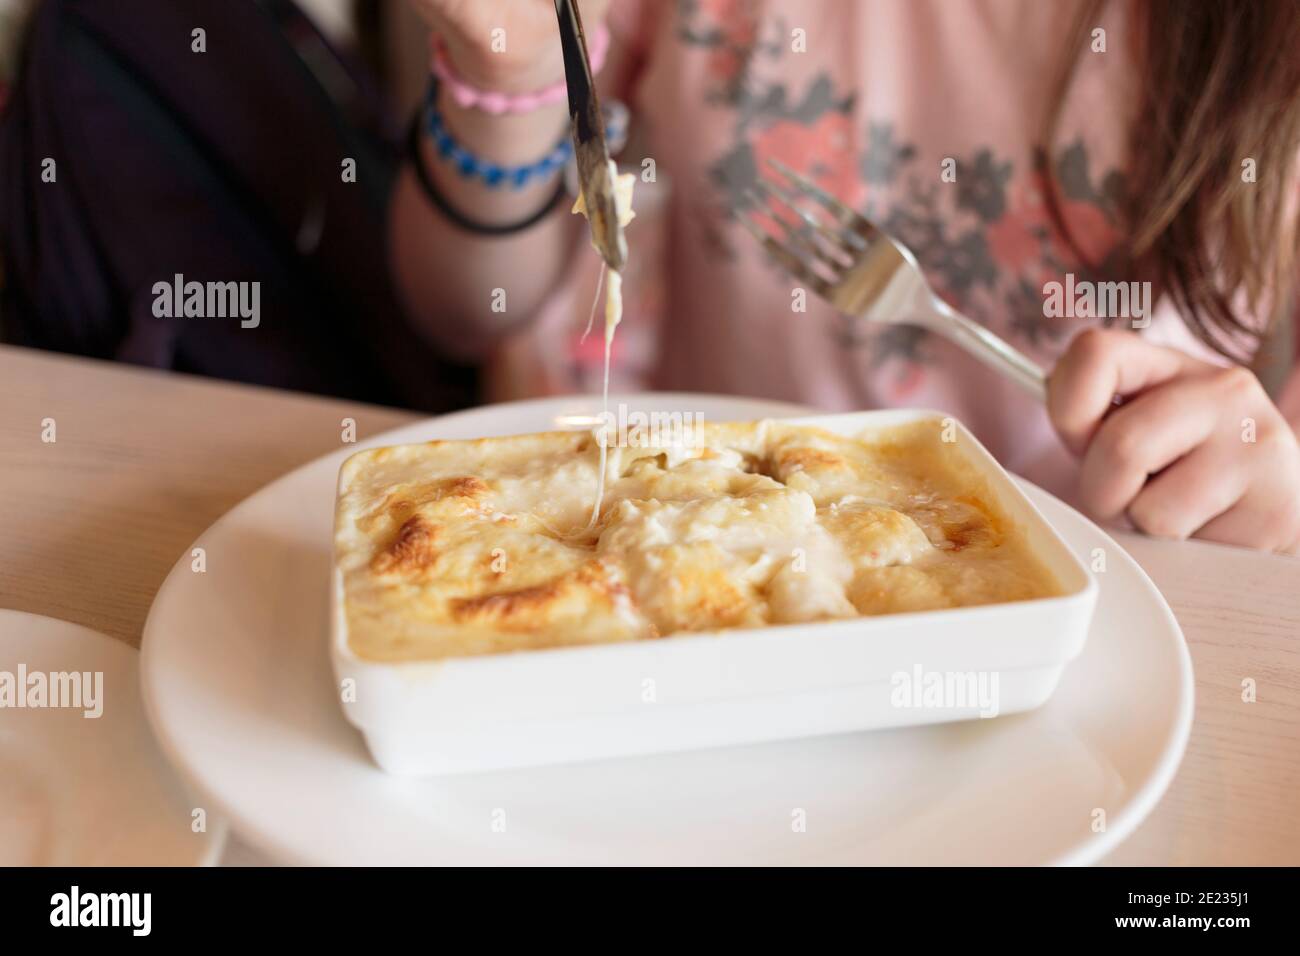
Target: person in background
{"type": "Point", "coordinates": [1086, 140]}
{"type": "Point", "coordinates": [230, 145]}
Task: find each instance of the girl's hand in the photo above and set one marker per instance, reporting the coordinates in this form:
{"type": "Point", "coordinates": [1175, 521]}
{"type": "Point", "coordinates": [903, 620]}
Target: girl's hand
{"type": "Point", "coordinates": [1195, 450]}
{"type": "Point", "coordinates": [526, 56]}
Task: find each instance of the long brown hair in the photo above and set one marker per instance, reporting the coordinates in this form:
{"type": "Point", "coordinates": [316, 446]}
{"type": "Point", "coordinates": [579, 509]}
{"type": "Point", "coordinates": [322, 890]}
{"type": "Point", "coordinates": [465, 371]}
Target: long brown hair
{"type": "Point", "coordinates": [1220, 86]}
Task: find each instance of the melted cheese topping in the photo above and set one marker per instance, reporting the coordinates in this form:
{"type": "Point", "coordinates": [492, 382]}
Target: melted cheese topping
{"type": "Point", "coordinates": [448, 548]}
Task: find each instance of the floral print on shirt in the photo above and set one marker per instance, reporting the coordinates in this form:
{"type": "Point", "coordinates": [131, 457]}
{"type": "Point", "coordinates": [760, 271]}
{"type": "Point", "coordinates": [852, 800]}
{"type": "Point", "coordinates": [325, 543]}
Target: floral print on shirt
{"type": "Point", "coordinates": [987, 242]}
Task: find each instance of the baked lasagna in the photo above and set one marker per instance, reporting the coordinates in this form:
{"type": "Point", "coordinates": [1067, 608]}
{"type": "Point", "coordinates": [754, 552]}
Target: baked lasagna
{"type": "Point", "coordinates": [459, 548]}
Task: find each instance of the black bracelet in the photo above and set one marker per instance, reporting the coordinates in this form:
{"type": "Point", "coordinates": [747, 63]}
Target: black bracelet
{"type": "Point", "coordinates": [440, 201]}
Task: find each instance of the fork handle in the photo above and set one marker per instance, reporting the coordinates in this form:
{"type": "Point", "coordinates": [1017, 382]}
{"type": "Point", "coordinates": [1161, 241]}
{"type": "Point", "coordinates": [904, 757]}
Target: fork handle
{"type": "Point", "coordinates": [990, 349]}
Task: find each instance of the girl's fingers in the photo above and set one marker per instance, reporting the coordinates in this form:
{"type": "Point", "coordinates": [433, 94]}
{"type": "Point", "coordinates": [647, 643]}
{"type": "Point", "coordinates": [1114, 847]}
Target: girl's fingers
{"type": "Point", "coordinates": [1196, 490]}
{"type": "Point", "coordinates": [1098, 365]}
{"type": "Point", "coordinates": [1268, 515]}
{"type": "Point", "coordinates": [1250, 527]}
{"type": "Point", "coordinates": [1142, 437]}
{"type": "Point", "coordinates": [1237, 482]}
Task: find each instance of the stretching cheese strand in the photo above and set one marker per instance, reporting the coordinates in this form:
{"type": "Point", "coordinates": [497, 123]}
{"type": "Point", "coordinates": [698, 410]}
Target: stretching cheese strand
{"type": "Point", "coordinates": [595, 302]}
{"type": "Point", "coordinates": [623, 186]}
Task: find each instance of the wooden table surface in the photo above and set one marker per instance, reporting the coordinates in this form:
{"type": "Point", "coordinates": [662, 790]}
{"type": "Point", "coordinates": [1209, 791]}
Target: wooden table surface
{"type": "Point", "coordinates": [144, 461]}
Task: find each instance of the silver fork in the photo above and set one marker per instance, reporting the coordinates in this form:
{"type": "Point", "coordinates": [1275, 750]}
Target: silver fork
{"type": "Point", "coordinates": [861, 271]}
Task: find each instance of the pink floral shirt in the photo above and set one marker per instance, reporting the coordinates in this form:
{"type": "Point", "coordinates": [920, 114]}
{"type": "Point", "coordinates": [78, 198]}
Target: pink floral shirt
{"type": "Point", "coordinates": [874, 99]}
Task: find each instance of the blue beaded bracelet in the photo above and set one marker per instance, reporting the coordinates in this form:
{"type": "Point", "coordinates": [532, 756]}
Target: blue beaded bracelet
{"type": "Point", "coordinates": [493, 175]}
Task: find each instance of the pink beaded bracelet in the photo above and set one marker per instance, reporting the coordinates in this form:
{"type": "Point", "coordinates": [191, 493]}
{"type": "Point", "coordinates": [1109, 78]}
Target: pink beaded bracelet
{"type": "Point", "coordinates": [471, 97]}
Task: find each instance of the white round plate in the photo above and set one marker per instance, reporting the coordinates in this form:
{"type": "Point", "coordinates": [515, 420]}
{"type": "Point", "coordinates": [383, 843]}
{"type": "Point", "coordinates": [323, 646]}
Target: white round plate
{"type": "Point", "coordinates": [78, 789]}
{"type": "Point", "coordinates": [238, 685]}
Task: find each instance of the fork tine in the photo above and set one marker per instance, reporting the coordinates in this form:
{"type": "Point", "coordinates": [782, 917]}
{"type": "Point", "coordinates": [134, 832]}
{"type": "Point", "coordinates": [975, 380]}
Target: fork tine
{"type": "Point", "coordinates": [841, 239]}
{"type": "Point", "coordinates": [794, 263]}
{"type": "Point", "coordinates": [843, 244]}
{"type": "Point", "coordinates": [842, 212]}
{"type": "Point", "coordinates": [788, 233]}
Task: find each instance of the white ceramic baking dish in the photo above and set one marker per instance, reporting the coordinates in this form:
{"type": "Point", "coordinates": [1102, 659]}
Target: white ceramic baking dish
{"type": "Point", "coordinates": [733, 687]}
